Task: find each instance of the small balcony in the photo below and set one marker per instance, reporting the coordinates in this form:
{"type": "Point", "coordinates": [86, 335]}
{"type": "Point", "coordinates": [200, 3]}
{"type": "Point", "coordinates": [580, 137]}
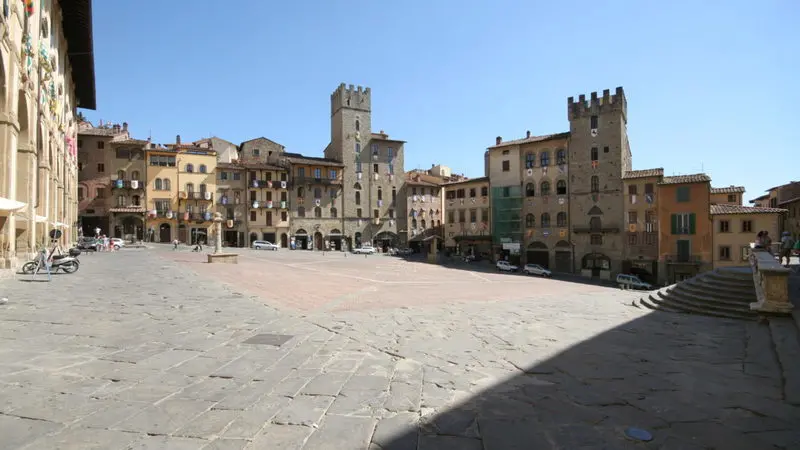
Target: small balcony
{"type": "Point", "coordinates": [322, 181]}
{"type": "Point", "coordinates": [204, 196]}
{"type": "Point", "coordinates": [595, 230]}
{"type": "Point", "coordinates": [268, 184]}
{"type": "Point", "coordinates": [683, 258]}
{"type": "Point", "coordinates": [127, 184]}
{"type": "Point", "coordinates": [269, 204]}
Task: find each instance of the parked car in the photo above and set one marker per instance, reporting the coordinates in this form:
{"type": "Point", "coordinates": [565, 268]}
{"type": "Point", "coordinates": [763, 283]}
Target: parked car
{"type": "Point", "coordinates": [365, 249]}
{"type": "Point", "coordinates": [87, 244]}
{"type": "Point", "coordinates": [626, 281]}
{"type": "Point", "coordinates": [117, 243]}
{"type": "Point", "coordinates": [505, 266]}
{"type": "Point", "coordinates": [264, 245]}
{"type": "Point", "coordinates": [535, 269]}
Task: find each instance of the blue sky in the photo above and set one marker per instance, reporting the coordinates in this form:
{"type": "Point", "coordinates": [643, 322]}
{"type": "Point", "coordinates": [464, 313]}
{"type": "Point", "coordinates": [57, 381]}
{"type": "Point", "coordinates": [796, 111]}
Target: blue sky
{"type": "Point", "coordinates": [711, 85]}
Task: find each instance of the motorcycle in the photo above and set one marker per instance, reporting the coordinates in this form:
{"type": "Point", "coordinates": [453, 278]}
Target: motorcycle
{"type": "Point", "coordinates": [68, 263]}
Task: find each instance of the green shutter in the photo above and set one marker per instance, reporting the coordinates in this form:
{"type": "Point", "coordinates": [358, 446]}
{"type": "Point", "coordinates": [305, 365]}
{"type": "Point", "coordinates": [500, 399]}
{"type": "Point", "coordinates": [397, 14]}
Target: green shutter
{"type": "Point", "coordinates": [691, 223]}
{"type": "Point", "coordinates": [674, 220]}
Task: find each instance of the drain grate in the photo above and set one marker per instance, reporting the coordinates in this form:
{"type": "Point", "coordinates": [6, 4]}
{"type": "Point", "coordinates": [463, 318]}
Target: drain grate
{"type": "Point", "coordinates": [269, 339]}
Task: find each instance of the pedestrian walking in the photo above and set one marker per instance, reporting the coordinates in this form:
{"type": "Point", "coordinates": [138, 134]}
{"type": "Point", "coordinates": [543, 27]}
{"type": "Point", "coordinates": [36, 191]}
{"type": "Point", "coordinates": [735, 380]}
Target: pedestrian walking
{"type": "Point", "coordinates": [175, 244]}
{"type": "Point", "coordinates": [766, 241]}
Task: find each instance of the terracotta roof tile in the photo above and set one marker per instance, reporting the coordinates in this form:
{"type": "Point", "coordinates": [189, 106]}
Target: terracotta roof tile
{"type": "Point", "coordinates": [685, 179]}
{"type": "Point", "coordinates": [645, 173]}
{"type": "Point", "coordinates": [728, 190]}
{"type": "Point", "coordinates": [545, 137]}
{"type": "Point", "coordinates": [791, 200]}
{"type": "Point", "coordinates": [469, 180]}
{"type": "Point", "coordinates": [737, 209]}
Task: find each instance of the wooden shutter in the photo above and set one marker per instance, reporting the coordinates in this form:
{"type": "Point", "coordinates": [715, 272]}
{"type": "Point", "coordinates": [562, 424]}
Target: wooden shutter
{"type": "Point", "coordinates": [691, 223]}
{"type": "Point", "coordinates": [674, 221]}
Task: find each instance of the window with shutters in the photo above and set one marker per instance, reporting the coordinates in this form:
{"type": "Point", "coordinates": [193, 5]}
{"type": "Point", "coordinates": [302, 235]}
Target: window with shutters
{"type": "Point", "coordinates": [595, 183]}
{"type": "Point", "coordinates": [529, 221]}
{"type": "Point", "coordinates": [530, 160]}
{"type": "Point", "coordinates": [724, 253]}
{"type": "Point", "coordinates": [682, 193]}
{"type": "Point", "coordinates": [595, 156]}
{"type": "Point", "coordinates": [683, 223]}
{"type": "Point", "coordinates": [724, 226]}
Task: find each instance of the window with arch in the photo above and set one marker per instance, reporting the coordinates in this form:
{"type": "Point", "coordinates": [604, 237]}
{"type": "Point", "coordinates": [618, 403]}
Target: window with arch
{"type": "Point", "coordinates": [595, 154]}
{"type": "Point", "coordinates": [358, 148]}
{"type": "Point", "coordinates": [357, 186]}
{"type": "Point", "coordinates": [431, 213]}
{"type": "Point", "coordinates": [595, 183]}
{"type": "Point", "coordinates": [167, 184]}
{"type": "Point", "coordinates": [530, 160]}
{"type": "Point", "coordinates": [189, 187]}
{"type": "Point", "coordinates": [158, 184]}
{"type": "Point", "coordinates": [203, 168]}
{"type": "Point", "coordinates": [358, 125]}
{"type": "Point", "coordinates": [544, 190]}
{"type": "Point", "coordinates": [203, 188]}
{"type": "Point", "coordinates": [414, 224]}
{"type": "Point", "coordinates": [545, 220]}
{"type": "Point", "coordinates": [422, 223]}
{"type": "Point", "coordinates": [358, 161]}
{"type": "Point", "coordinates": [300, 192]}
{"type": "Point", "coordinates": [301, 211]}
{"type": "Point", "coordinates": [380, 194]}
{"type": "Point", "coordinates": [529, 221]}
{"type": "Point", "coordinates": [595, 224]}
{"type": "Point", "coordinates": [358, 198]}
{"type": "Point", "coordinates": [394, 194]}
{"type": "Point", "coordinates": [120, 174]}
{"type": "Point", "coordinates": [121, 201]}
{"type": "Point", "coordinates": [561, 219]}
{"type": "Point", "coordinates": [544, 158]}
{"type": "Point", "coordinates": [135, 175]}
{"type": "Point", "coordinates": [136, 200]}
{"type": "Point", "coordinates": [530, 190]}
{"type": "Point", "coordinates": [334, 213]}
{"type": "Point", "coordinates": [561, 187]}
{"type": "Point", "coordinates": [190, 168]}
{"type": "Point", "coordinates": [317, 193]}
{"type": "Point", "coordinates": [561, 157]}
{"type": "Point", "coordinates": [317, 212]}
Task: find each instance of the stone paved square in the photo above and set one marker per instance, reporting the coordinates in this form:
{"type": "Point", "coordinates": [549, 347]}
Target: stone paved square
{"type": "Point", "coordinates": [384, 354]}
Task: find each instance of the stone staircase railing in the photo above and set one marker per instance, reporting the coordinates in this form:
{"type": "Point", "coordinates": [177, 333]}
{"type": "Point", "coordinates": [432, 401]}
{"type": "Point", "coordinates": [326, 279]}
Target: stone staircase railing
{"type": "Point", "coordinates": [771, 281]}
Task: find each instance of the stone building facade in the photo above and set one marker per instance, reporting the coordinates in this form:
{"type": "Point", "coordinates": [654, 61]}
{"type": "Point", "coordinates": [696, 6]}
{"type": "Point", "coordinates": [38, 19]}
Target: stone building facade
{"type": "Point", "coordinates": [640, 253]}
{"type": "Point", "coordinates": [232, 203]}
{"type": "Point", "coordinates": [468, 217]}
{"type": "Point", "coordinates": [316, 199]}
{"type": "Point", "coordinates": [599, 155]}
{"type": "Point", "coordinates": [504, 164]}
{"type": "Point", "coordinates": [730, 195]}
{"type": "Point", "coordinates": [422, 197]}
{"type": "Point", "coordinates": [41, 87]}
{"type": "Point", "coordinates": [127, 199]}
{"type": "Point", "coordinates": [95, 160]}
{"type": "Point", "coordinates": [373, 166]}
{"type": "Point", "coordinates": [735, 227]}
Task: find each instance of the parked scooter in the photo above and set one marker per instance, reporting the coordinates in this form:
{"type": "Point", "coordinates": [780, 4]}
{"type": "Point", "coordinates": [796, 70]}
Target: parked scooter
{"type": "Point", "coordinates": [68, 263]}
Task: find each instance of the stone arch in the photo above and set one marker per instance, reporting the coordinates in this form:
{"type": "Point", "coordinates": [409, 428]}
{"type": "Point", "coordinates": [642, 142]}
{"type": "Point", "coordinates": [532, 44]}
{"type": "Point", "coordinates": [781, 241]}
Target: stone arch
{"type": "Point", "coordinates": [562, 244]}
{"type": "Point", "coordinates": [537, 245]}
{"type": "Point", "coordinates": [538, 253]}
{"type": "Point", "coordinates": [595, 211]}
{"type": "Point", "coordinates": [595, 262]}
{"type": "Point", "coordinates": [23, 117]}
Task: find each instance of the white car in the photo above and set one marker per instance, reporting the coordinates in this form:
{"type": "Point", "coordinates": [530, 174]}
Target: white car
{"type": "Point", "coordinates": [364, 250]}
{"type": "Point", "coordinates": [505, 266]}
{"type": "Point", "coordinates": [117, 243]}
{"type": "Point", "coordinates": [264, 245]}
{"type": "Point", "coordinates": [535, 269]}
{"type": "Point", "coordinates": [626, 281]}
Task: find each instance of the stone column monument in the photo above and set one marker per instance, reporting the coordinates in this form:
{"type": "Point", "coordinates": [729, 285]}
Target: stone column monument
{"type": "Point", "coordinates": [218, 256]}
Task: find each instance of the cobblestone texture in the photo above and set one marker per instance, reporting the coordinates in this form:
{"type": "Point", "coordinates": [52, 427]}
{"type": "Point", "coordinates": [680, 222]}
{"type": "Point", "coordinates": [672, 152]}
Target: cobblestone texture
{"type": "Point", "coordinates": [144, 349]}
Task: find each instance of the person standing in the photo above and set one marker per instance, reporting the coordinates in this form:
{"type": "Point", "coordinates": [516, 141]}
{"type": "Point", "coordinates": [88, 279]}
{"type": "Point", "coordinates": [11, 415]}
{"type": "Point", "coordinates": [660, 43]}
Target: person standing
{"type": "Point", "coordinates": [766, 241]}
{"type": "Point", "coordinates": [787, 244]}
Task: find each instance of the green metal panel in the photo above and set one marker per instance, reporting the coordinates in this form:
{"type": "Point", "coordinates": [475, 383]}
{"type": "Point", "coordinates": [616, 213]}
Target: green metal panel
{"type": "Point", "coordinates": [507, 214]}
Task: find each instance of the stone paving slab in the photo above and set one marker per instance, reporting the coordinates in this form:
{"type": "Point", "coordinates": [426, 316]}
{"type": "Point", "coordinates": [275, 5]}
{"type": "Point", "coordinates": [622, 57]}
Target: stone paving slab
{"type": "Point", "coordinates": [377, 359]}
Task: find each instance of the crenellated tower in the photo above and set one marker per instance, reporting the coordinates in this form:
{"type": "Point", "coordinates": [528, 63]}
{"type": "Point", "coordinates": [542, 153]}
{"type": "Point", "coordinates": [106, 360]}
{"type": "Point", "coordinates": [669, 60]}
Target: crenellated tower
{"type": "Point", "coordinates": [599, 155]}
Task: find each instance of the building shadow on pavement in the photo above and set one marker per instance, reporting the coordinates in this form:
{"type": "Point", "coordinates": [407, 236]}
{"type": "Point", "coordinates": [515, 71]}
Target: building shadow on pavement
{"type": "Point", "coordinates": [691, 382]}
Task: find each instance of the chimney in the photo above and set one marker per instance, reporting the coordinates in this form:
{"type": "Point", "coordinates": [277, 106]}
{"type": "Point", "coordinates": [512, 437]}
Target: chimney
{"type": "Point", "coordinates": [178, 139]}
{"type": "Point", "coordinates": [499, 140]}
{"type": "Point", "coordinates": [125, 126]}
{"type": "Point", "coordinates": [528, 134]}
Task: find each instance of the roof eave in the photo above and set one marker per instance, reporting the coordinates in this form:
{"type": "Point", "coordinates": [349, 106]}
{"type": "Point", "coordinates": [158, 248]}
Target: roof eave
{"type": "Point", "coordinates": [77, 22]}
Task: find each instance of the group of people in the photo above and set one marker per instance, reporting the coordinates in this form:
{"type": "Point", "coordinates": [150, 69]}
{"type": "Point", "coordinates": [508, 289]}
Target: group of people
{"type": "Point", "coordinates": [103, 243]}
{"type": "Point", "coordinates": [788, 244]}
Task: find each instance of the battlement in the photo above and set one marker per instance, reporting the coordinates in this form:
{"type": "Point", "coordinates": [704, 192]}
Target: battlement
{"type": "Point", "coordinates": [349, 96]}
{"type": "Point", "coordinates": [597, 105]}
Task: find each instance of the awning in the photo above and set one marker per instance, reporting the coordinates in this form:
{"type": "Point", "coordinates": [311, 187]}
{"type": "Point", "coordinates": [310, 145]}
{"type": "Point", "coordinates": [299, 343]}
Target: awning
{"type": "Point", "coordinates": [59, 225]}
{"type": "Point", "coordinates": [6, 204]}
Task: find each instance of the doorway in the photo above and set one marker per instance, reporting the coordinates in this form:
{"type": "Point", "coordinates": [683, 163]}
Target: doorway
{"type": "Point", "coordinates": [318, 241]}
{"type": "Point", "coordinates": [165, 232]}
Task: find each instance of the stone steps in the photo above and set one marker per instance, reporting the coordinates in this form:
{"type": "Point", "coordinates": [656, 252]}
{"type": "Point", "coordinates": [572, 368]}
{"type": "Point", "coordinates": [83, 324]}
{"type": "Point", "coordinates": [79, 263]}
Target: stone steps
{"type": "Point", "coordinates": [719, 293]}
{"type": "Point", "coordinates": [693, 291]}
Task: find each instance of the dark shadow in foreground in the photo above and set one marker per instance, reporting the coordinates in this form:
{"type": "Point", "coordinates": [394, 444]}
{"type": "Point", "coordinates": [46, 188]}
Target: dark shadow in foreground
{"type": "Point", "coordinates": [691, 382]}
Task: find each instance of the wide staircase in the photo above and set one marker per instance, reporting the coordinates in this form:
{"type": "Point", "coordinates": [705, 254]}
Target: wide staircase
{"type": "Point", "coordinates": [719, 293]}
